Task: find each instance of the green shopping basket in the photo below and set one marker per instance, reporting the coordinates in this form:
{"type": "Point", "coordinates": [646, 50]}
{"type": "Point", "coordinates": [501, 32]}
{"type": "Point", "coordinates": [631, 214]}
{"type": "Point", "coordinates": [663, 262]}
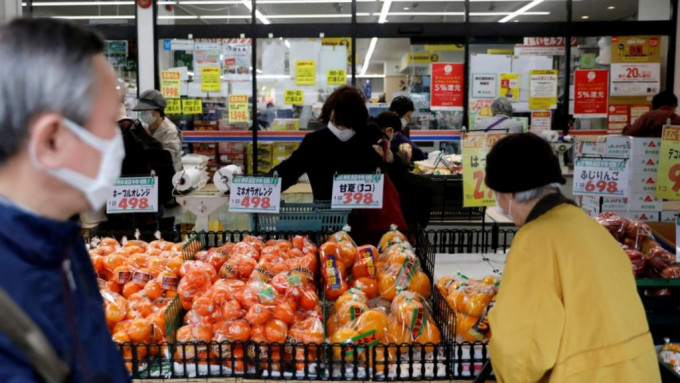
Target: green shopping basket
{"type": "Point", "coordinates": [316, 216]}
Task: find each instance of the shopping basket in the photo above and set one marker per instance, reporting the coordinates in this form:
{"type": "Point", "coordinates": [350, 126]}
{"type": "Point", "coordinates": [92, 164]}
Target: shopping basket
{"type": "Point", "coordinates": [447, 201]}
{"type": "Point", "coordinates": [316, 216]}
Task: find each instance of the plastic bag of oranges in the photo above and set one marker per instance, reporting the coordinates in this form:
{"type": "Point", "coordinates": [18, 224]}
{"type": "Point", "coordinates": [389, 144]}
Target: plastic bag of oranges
{"type": "Point", "coordinates": [410, 322]}
{"type": "Point", "coordinates": [398, 269]}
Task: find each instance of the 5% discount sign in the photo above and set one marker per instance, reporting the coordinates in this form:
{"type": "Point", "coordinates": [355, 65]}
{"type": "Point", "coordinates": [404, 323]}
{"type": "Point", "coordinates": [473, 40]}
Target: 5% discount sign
{"type": "Point", "coordinates": [133, 195]}
{"type": "Point", "coordinates": [255, 195]}
{"type": "Point", "coordinates": [358, 191]}
{"type": "Point", "coordinates": [601, 177]}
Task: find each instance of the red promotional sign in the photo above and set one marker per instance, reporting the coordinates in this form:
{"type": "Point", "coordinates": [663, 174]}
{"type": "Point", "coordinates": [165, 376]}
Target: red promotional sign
{"type": "Point", "coordinates": [446, 90]}
{"type": "Point", "coordinates": [591, 87]}
{"type": "Point", "coordinates": [617, 118]}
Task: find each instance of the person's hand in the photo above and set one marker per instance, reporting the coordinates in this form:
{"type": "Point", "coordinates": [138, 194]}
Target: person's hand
{"type": "Point", "coordinates": [406, 152]}
{"type": "Point", "coordinates": [389, 157]}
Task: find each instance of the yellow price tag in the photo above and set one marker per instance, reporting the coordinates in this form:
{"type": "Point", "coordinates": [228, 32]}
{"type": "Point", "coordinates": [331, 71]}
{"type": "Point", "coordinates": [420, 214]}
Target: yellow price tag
{"type": "Point", "coordinates": [170, 83]}
{"type": "Point", "coordinates": [475, 148]}
{"type": "Point", "coordinates": [174, 106]}
{"type": "Point", "coordinates": [192, 106]}
{"type": "Point", "coordinates": [336, 77]}
{"type": "Point", "coordinates": [305, 72]}
{"type": "Point", "coordinates": [668, 173]}
{"type": "Point", "coordinates": [238, 108]}
{"type": "Point", "coordinates": [210, 79]}
{"type": "Point", "coordinates": [509, 86]}
{"type": "Point", "coordinates": [293, 97]}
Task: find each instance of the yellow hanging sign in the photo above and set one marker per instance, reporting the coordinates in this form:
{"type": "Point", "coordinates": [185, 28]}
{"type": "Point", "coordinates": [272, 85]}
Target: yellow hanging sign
{"type": "Point", "coordinates": [238, 108]}
{"type": "Point", "coordinates": [170, 83]}
{"type": "Point", "coordinates": [509, 86]}
{"type": "Point", "coordinates": [210, 79]}
{"type": "Point", "coordinates": [174, 106]}
{"type": "Point", "coordinates": [668, 173]}
{"type": "Point", "coordinates": [293, 97]}
{"type": "Point", "coordinates": [542, 89]}
{"type": "Point", "coordinates": [475, 148]}
{"type": "Point", "coordinates": [192, 106]}
{"type": "Point", "coordinates": [336, 77]}
{"type": "Point", "coordinates": [305, 72]}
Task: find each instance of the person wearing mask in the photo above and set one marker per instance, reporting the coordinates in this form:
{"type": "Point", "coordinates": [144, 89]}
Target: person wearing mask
{"type": "Point", "coordinates": [568, 309]}
{"type": "Point", "coordinates": [60, 155]}
{"type": "Point", "coordinates": [651, 123]}
{"type": "Point", "coordinates": [151, 106]}
{"type": "Point", "coordinates": [502, 120]}
{"type": "Point", "coordinates": [403, 107]}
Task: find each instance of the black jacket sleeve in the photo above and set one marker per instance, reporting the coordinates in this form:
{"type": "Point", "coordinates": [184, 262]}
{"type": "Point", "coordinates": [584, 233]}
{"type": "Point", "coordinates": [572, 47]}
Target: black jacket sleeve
{"type": "Point", "coordinates": [291, 169]}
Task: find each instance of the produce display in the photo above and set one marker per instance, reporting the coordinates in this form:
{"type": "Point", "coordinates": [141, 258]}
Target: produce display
{"type": "Point", "coordinates": [471, 300]}
{"type": "Point", "coordinates": [670, 355]}
{"type": "Point", "coordinates": [440, 164]}
{"type": "Point", "coordinates": [648, 258]}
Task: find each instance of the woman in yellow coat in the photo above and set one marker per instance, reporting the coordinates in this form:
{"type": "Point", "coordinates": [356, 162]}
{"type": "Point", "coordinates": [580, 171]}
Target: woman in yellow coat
{"type": "Point", "coordinates": [568, 309]}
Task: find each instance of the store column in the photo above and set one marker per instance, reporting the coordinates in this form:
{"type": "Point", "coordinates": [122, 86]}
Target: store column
{"type": "Point", "coordinates": [145, 47]}
{"type": "Point", "coordinates": [9, 9]}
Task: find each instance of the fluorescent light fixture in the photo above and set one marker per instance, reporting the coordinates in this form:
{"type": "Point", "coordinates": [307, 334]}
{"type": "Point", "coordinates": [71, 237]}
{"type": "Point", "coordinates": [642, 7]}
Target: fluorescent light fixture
{"type": "Point", "coordinates": [611, 7]}
{"type": "Point", "coordinates": [78, 3]}
{"type": "Point", "coordinates": [258, 14]}
{"type": "Point", "coordinates": [287, 43]}
{"type": "Point", "coordinates": [224, 17]}
{"type": "Point", "coordinates": [585, 17]}
{"type": "Point", "coordinates": [310, 16]}
{"type": "Point", "coordinates": [384, 11]}
{"type": "Point", "coordinates": [369, 53]}
{"type": "Point", "coordinates": [520, 11]}
{"type": "Point", "coordinates": [508, 13]}
{"type": "Point", "coordinates": [207, 2]}
{"type": "Point", "coordinates": [130, 17]}
{"type": "Point", "coordinates": [190, 17]}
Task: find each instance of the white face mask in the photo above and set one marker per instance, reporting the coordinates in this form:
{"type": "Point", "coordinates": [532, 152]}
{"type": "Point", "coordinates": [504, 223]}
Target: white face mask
{"type": "Point", "coordinates": [500, 210]}
{"type": "Point", "coordinates": [343, 135]}
{"type": "Point", "coordinates": [96, 190]}
{"type": "Point", "coordinates": [147, 117]}
{"type": "Point", "coordinates": [404, 122]}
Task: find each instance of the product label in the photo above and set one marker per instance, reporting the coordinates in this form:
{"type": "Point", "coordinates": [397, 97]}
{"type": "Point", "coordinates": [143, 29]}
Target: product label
{"type": "Point", "coordinates": [332, 274]}
{"type": "Point", "coordinates": [294, 280]}
{"type": "Point", "coordinates": [367, 339]}
{"type": "Point", "coordinates": [265, 275]}
{"type": "Point", "coordinates": [169, 283]}
{"type": "Point", "coordinates": [227, 271]}
{"type": "Point", "coordinates": [124, 277]}
{"type": "Point", "coordinates": [140, 277]}
{"type": "Point", "coordinates": [266, 295]}
{"type": "Point", "coordinates": [355, 312]}
{"type": "Point", "coordinates": [406, 273]}
{"type": "Point", "coordinates": [308, 273]}
{"type": "Point", "coordinates": [419, 317]}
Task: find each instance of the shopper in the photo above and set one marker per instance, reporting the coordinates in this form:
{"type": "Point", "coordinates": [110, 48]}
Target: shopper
{"type": "Point", "coordinates": [403, 107]}
{"type": "Point", "coordinates": [502, 120]}
{"type": "Point", "coordinates": [651, 123]}
{"type": "Point", "coordinates": [60, 155]}
{"type": "Point", "coordinates": [152, 105]}
{"type": "Point", "coordinates": [567, 309]}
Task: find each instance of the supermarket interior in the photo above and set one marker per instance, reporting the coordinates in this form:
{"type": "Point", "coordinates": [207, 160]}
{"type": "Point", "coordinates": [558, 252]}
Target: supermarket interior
{"type": "Point", "coordinates": [230, 265]}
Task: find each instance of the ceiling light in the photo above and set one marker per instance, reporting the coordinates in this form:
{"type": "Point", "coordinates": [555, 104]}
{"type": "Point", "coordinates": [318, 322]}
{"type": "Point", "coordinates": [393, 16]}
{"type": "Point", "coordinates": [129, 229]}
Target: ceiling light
{"type": "Point", "coordinates": [515, 20]}
{"type": "Point", "coordinates": [78, 3]}
{"type": "Point", "coordinates": [585, 17]}
{"type": "Point", "coordinates": [309, 16]}
{"type": "Point", "coordinates": [221, 17]}
{"type": "Point", "coordinates": [131, 17]}
{"type": "Point", "coordinates": [369, 53]}
{"type": "Point", "coordinates": [191, 17]}
{"type": "Point", "coordinates": [258, 14]}
{"type": "Point", "coordinates": [208, 2]}
{"type": "Point", "coordinates": [406, 8]}
{"type": "Point", "coordinates": [520, 11]}
{"type": "Point", "coordinates": [287, 44]}
{"type": "Point", "coordinates": [611, 7]}
{"type": "Point", "coordinates": [383, 12]}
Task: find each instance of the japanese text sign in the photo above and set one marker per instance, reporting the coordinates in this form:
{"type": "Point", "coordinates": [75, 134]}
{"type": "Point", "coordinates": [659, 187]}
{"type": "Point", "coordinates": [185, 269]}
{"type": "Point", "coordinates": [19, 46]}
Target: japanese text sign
{"type": "Point", "coordinates": [238, 108]}
{"type": "Point", "coordinates": [509, 86]}
{"type": "Point", "coordinates": [591, 93]}
{"type": "Point", "coordinates": [192, 106]}
{"type": "Point", "coordinates": [617, 118]}
{"type": "Point", "coordinates": [255, 195]}
{"type": "Point", "coordinates": [336, 77]}
{"type": "Point", "coordinates": [133, 195]}
{"type": "Point", "coordinates": [635, 79]}
{"type": "Point", "coordinates": [358, 191]}
{"type": "Point", "coordinates": [293, 97]}
{"type": "Point", "coordinates": [305, 72]}
{"type": "Point", "coordinates": [542, 89]}
{"type": "Point", "coordinates": [446, 91]}
{"type": "Point", "coordinates": [606, 177]}
{"type": "Point", "coordinates": [210, 79]}
{"type": "Point", "coordinates": [174, 106]}
{"type": "Point", "coordinates": [170, 83]}
{"type": "Point", "coordinates": [475, 148]}
{"type": "Point", "coordinates": [668, 174]}
{"type": "Point", "coordinates": [484, 85]}
{"type": "Point", "coordinates": [636, 49]}
{"type": "Point", "coordinates": [541, 120]}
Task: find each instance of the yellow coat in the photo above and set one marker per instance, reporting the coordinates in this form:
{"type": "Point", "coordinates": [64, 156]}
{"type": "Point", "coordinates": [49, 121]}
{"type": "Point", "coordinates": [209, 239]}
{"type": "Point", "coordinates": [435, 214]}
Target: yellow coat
{"type": "Point", "coordinates": [567, 309]}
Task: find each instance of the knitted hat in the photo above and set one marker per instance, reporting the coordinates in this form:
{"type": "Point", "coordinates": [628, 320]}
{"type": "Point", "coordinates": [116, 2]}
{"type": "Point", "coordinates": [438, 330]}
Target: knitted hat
{"type": "Point", "coordinates": [521, 162]}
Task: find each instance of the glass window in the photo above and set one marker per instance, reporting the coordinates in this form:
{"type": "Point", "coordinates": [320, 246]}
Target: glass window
{"type": "Point", "coordinates": [518, 11]}
{"type": "Point", "coordinates": [403, 11]}
{"type": "Point", "coordinates": [621, 10]}
{"type": "Point", "coordinates": [202, 12]}
{"type": "Point", "coordinates": [119, 12]}
{"type": "Point", "coordinates": [303, 12]}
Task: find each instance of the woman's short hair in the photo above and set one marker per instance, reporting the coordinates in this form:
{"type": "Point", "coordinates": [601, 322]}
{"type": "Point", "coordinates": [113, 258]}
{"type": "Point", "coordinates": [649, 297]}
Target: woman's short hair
{"type": "Point", "coordinates": [348, 107]}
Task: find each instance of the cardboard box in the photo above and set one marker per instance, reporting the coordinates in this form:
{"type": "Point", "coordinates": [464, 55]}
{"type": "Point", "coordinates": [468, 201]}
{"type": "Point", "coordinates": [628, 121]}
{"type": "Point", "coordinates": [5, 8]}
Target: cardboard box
{"type": "Point", "coordinates": [644, 201]}
{"type": "Point", "coordinates": [644, 165]}
{"type": "Point", "coordinates": [639, 215]}
{"type": "Point", "coordinates": [664, 233]}
{"type": "Point", "coordinates": [642, 183]}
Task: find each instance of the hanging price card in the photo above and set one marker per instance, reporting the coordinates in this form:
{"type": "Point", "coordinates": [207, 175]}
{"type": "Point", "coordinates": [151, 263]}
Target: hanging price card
{"type": "Point", "coordinates": [601, 177]}
{"type": "Point", "coordinates": [255, 195]}
{"type": "Point", "coordinates": [357, 191]}
{"type": "Point", "coordinates": [238, 108]}
{"type": "Point", "coordinates": [305, 72]}
{"type": "Point", "coordinates": [475, 148]}
{"type": "Point", "coordinates": [174, 106]}
{"type": "Point", "coordinates": [293, 97]}
{"type": "Point", "coordinates": [133, 195]}
{"type": "Point", "coordinates": [336, 77]}
{"type": "Point", "coordinates": [509, 86]}
{"type": "Point", "coordinates": [170, 83]}
{"type": "Point", "coordinates": [210, 79]}
{"type": "Point", "coordinates": [668, 173]}
{"type": "Point", "coordinates": [542, 89]}
{"type": "Point", "coordinates": [192, 106]}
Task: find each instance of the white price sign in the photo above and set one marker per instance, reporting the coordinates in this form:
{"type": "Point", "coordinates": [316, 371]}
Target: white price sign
{"type": "Point", "coordinates": [484, 85]}
{"type": "Point", "coordinates": [255, 195]}
{"type": "Point", "coordinates": [357, 191]}
{"type": "Point", "coordinates": [635, 79]}
{"type": "Point", "coordinates": [601, 177]}
{"type": "Point", "coordinates": [133, 195]}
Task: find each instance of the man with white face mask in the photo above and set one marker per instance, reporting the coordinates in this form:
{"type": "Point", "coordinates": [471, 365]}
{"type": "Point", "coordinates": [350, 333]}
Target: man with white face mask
{"type": "Point", "coordinates": [151, 106]}
{"type": "Point", "coordinates": [567, 309]}
{"type": "Point", "coordinates": [403, 107]}
{"type": "Point", "coordinates": [60, 155]}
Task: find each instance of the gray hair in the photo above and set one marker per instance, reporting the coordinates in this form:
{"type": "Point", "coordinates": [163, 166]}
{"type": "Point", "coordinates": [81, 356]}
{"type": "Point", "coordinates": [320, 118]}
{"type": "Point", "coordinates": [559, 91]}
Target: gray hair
{"type": "Point", "coordinates": [501, 105]}
{"type": "Point", "coordinates": [532, 194]}
{"type": "Point", "coordinates": [46, 67]}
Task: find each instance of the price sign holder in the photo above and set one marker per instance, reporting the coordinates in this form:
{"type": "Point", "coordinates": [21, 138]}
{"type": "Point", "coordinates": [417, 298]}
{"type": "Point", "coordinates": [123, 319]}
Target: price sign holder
{"type": "Point", "coordinates": [255, 195]}
{"type": "Point", "coordinates": [601, 176]}
{"type": "Point", "coordinates": [476, 145]}
{"type": "Point", "coordinates": [357, 191]}
{"type": "Point", "coordinates": [133, 195]}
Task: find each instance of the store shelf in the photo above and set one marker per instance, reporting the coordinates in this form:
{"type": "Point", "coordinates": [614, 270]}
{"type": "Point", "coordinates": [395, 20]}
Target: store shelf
{"type": "Point", "coordinates": [190, 136]}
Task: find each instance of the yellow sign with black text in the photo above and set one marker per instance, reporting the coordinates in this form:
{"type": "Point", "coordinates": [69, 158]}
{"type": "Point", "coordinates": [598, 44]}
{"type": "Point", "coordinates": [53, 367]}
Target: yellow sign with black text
{"type": "Point", "coordinates": [293, 97]}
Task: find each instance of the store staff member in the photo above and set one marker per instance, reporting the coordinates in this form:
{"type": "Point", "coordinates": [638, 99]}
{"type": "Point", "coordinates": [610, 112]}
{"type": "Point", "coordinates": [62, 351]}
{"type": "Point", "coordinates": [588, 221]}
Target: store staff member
{"type": "Point", "coordinates": [651, 123]}
{"type": "Point", "coordinates": [60, 155]}
{"type": "Point", "coordinates": [502, 120]}
{"type": "Point", "coordinates": [403, 107]}
{"type": "Point", "coordinates": [152, 105]}
{"type": "Point", "coordinates": [567, 309]}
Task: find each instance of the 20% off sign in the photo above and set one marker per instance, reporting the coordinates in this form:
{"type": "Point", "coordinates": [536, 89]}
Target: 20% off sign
{"type": "Point", "coordinates": [358, 191]}
{"type": "Point", "coordinates": [601, 177]}
{"type": "Point", "coordinates": [255, 195]}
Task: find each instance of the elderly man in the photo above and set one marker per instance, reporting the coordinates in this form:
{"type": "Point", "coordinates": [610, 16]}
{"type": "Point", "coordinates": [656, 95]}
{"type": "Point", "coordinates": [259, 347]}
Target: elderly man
{"type": "Point", "coordinates": [502, 120]}
{"type": "Point", "coordinates": [567, 309]}
{"type": "Point", "coordinates": [60, 155]}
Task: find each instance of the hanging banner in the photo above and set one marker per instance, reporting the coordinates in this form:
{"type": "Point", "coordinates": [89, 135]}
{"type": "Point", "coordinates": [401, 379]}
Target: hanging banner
{"type": "Point", "coordinates": [192, 106]}
{"type": "Point", "coordinates": [636, 49]}
{"type": "Point", "coordinates": [541, 120]}
{"type": "Point", "coordinates": [446, 90]}
{"type": "Point", "coordinates": [590, 93]}
{"type": "Point", "coordinates": [293, 97]}
{"type": "Point", "coordinates": [542, 89]}
{"type": "Point", "coordinates": [484, 85]}
{"type": "Point", "coordinates": [638, 110]}
{"type": "Point", "coordinates": [238, 108]}
{"type": "Point", "coordinates": [509, 86]}
{"type": "Point", "coordinates": [336, 77]}
{"type": "Point", "coordinates": [305, 72]}
{"type": "Point", "coordinates": [173, 106]}
{"type": "Point", "coordinates": [210, 79]}
{"type": "Point", "coordinates": [236, 59]}
{"type": "Point", "coordinates": [475, 148]}
{"type": "Point", "coordinates": [206, 54]}
{"type": "Point", "coordinates": [617, 118]}
{"type": "Point", "coordinates": [668, 173]}
{"type": "Point", "coordinates": [479, 109]}
{"type": "Point", "coordinates": [170, 83]}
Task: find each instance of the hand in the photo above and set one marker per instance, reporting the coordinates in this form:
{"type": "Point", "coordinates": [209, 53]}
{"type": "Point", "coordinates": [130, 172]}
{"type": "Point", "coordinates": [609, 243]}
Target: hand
{"type": "Point", "coordinates": [389, 157]}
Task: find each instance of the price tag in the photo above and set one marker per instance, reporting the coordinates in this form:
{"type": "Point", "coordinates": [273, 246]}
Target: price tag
{"type": "Point", "coordinates": [668, 173]}
{"type": "Point", "coordinates": [238, 108]}
{"type": "Point", "coordinates": [174, 106]}
{"type": "Point", "coordinates": [305, 72]}
{"type": "Point", "coordinates": [293, 97]}
{"type": "Point", "coordinates": [210, 79]}
{"type": "Point", "coordinates": [475, 148]}
{"type": "Point", "coordinates": [336, 77]}
{"type": "Point", "coordinates": [133, 195]}
{"type": "Point", "coordinates": [170, 83]}
{"type": "Point", "coordinates": [255, 195]}
{"type": "Point", "coordinates": [358, 191]}
{"type": "Point", "coordinates": [601, 177]}
{"type": "Point", "coordinates": [192, 106]}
